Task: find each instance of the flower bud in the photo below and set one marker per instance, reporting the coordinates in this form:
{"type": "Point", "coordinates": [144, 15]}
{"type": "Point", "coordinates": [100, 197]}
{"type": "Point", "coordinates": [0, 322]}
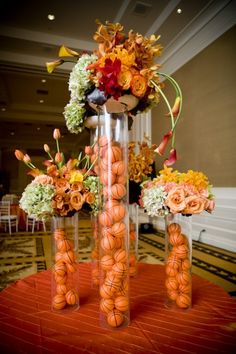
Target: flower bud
{"type": "Point", "coordinates": [19, 155]}
{"type": "Point", "coordinates": [56, 134]}
{"type": "Point", "coordinates": [88, 150]}
{"type": "Point", "coordinates": [26, 158]}
{"type": "Point", "coordinates": [46, 148]}
{"type": "Point", "coordinates": [58, 157]}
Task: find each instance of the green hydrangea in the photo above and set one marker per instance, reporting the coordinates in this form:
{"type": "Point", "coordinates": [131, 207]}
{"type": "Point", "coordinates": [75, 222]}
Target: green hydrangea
{"type": "Point", "coordinates": [36, 200]}
{"type": "Point", "coordinates": [91, 183]}
{"type": "Point", "coordinates": [74, 114]}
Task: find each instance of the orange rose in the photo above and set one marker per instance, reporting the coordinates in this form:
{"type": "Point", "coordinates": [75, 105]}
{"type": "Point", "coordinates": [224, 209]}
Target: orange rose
{"type": "Point", "coordinates": [194, 205]}
{"type": "Point", "coordinates": [77, 186]}
{"type": "Point", "coordinates": [76, 200]}
{"type": "Point", "coordinates": [138, 86]}
{"type": "Point", "coordinates": [61, 185]}
{"type": "Point", "coordinates": [89, 198]}
{"type": "Point", "coordinates": [176, 200]}
{"type": "Point", "coordinates": [58, 201]}
{"type": "Point", "coordinates": [124, 79]}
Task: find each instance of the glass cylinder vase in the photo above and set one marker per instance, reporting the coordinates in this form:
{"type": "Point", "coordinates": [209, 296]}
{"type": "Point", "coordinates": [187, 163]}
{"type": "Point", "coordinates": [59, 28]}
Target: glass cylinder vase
{"type": "Point", "coordinates": [133, 234]}
{"type": "Point", "coordinates": [178, 261]}
{"type": "Point", "coordinates": [113, 217]}
{"type": "Point", "coordinates": [65, 271]}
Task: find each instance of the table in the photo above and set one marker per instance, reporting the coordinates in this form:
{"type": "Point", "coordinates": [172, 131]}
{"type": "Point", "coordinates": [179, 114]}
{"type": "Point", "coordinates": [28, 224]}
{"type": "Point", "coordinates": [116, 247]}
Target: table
{"type": "Point", "coordinates": [28, 326]}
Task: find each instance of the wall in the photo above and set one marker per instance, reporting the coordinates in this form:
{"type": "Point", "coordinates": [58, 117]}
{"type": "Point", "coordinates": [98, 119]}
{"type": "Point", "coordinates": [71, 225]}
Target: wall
{"type": "Point", "coordinates": [205, 136]}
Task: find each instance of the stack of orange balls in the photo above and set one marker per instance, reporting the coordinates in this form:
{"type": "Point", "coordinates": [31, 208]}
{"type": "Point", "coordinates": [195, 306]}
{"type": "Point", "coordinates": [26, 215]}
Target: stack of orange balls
{"type": "Point", "coordinates": [63, 271]}
{"type": "Point", "coordinates": [133, 261]}
{"type": "Point", "coordinates": [95, 253]}
{"type": "Point", "coordinates": [114, 257]}
{"type": "Point", "coordinates": [178, 267]}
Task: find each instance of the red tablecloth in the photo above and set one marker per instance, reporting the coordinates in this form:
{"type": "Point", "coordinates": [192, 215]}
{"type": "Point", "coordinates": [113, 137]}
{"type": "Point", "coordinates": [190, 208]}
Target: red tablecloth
{"type": "Point", "coordinates": [28, 326]}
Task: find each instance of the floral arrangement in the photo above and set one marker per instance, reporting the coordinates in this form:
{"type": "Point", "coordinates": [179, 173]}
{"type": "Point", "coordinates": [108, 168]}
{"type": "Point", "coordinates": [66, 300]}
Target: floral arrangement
{"type": "Point", "coordinates": [140, 163]}
{"type": "Point", "coordinates": [174, 192]}
{"type": "Point", "coordinates": [62, 189]}
{"type": "Point", "coordinates": [123, 68]}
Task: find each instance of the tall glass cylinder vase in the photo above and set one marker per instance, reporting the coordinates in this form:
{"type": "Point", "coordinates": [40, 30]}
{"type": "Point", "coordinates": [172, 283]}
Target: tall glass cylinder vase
{"type": "Point", "coordinates": [65, 272]}
{"type": "Point", "coordinates": [133, 234]}
{"type": "Point", "coordinates": [113, 218]}
{"type": "Point", "coordinates": [178, 261]}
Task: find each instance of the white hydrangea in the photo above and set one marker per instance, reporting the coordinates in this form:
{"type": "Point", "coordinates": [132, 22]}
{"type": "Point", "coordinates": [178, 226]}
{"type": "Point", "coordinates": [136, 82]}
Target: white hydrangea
{"type": "Point", "coordinates": [36, 200]}
{"type": "Point", "coordinates": [154, 201]}
{"type": "Point", "coordinates": [79, 81]}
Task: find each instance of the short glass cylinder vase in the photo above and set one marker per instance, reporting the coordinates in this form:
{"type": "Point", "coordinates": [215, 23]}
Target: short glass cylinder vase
{"type": "Point", "coordinates": [65, 271]}
{"type": "Point", "coordinates": [94, 252]}
{"type": "Point", "coordinates": [178, 261]}
{"type": "Point", "coordinates": [113, 218]}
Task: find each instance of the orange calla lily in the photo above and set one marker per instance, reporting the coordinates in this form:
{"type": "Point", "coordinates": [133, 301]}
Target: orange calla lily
{"type": "Point", "coordinates": [161, 148]}
{"type": "Point", "coordinates": [175, 108]}
{"type": "Point", "coordinates": [67, 52]}
{"type": "Point", "coordinates": [53, 64]}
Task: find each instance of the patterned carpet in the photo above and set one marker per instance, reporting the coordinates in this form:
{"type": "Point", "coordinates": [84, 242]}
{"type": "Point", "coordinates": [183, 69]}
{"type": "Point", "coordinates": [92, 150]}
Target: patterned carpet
{"type": "Point", "coordinates": [24, 253]}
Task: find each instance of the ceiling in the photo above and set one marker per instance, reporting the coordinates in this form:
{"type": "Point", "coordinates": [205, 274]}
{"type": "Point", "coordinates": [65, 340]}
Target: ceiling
{"type": "Point", "coordinates": [31, 108]}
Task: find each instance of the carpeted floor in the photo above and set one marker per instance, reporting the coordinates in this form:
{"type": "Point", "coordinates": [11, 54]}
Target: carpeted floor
{"type": "Point", "coordinates": [23, 254]}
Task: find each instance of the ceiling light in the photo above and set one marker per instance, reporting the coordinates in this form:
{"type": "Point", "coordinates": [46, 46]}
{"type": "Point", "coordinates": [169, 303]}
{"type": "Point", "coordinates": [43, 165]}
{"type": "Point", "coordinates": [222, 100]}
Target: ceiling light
{"type": "Point", "coordinates": [41, 101]}
{"type": "Point", "coordinates": [3, 109]}
{"type": "Point", "coordinates": [38, 128]}
{"type": "Point", "coordinates": [179, 11]}
{"type": "Point", "coordinates": [12, 133]}
{"type": "Point", "coordinates": [51, 17]}
{"type": "Point", "coordinates": [43, 81]}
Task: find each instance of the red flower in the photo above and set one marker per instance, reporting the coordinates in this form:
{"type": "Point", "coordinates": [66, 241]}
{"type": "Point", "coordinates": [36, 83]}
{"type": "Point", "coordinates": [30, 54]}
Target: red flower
{"type": "Point", "coordinates": [172, 158]}
{"type": "Point", "coordinates": [108, 81]}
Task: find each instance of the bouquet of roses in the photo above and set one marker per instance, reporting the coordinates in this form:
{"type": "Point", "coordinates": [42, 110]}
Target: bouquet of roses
{"type": "Point", "coordinates": [174, 192]}
{"type": "Point", "coordinates": [62, 189]}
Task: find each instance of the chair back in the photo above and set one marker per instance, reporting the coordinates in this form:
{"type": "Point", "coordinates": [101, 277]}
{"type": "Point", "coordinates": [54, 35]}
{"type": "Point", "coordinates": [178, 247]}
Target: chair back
{"type": "Point", "coordinates": [5, 208]}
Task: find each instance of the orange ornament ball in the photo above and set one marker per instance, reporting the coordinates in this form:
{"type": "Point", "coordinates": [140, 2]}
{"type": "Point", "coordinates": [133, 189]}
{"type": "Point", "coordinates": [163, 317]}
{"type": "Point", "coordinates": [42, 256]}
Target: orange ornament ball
{"type": "Point", "coordinates": [132, 259]}
{"type": "Point", "coordinates": [94, 254]}
{"type": "Point", "coordinates": [107, 178]}
{"type": "Point", "coordinates": [171, 283]}
{"type": "Point", "coordinates": [120, 256]}
{"type": "Point", "coordinates": [186, 289]}
{"type": "Point", "coordinates": [119, 269]}
{"type": "Point", "coordinates": [170, 271]}
{"type": "Point", "coordinates": [118, 213]}
{"type": "Point", "coordinates": [106, 231]}
{"type": "Point", "coordinates": [59, 234]}
{"type": "Point", "coordinates": [176, 239]}
{"type": "Point", "coordinates": [111, 203]}
{"type": "Point", "coordinates": [118, 229]}
{"type": "Point", "coordinates": [59, 257]}
{"type": "Point", "coordinates": [115, 318]}
{"type": "Point", "coordinates": [118, 168]}
{"type": "Point", "coordinates": [119, 242]}
{"type": "Point", "coordinates": [72, 297]}
{"type": "Point", "coordinates": [59, 302]}
{"type": "Point", "coordinates": [174, 227]}
{"type": "Point", "coordinates": [106, 292]}
{"type": "Point", "coordinates": [173, 261]}
{"type": "Point", "coordinates": [181, 251]}
{"type": "Point", "coordinates": [95, 276]}
{"type": "Point", "coordinates": [118, 191]}
{"type": "Point", "coordinates": [106, 305]}
{"type": "Point", "coordinates": [112, 281]}
{"type": "Point", "coordinates": [132, 271]}
{"type": "Point", "coordinates": [103, 141]}
{"type": "Point", "coordinates": [69, 257]}
{"type": "Point", "coordinates": [64, 245]}
{"type": "Point", "coordinates": [123, 290]}
{"type": "Point", "coordinates": [60, 269]}
{"type": "Point", "coordinates": [183, 277]}
{"type": "Point", "coordinates": [105, 219]}
{"type": "Point", "coordinates": [185, 264]}
{"type": "Point", "coordinates": [183, 301]}
{"type": "Point", "coordinates": [108, 243]}
{"type": "Point", "coordinates": [107, 262]}
{"type": "Point", "coordinates": [121, 179]}
{"type": "Point", "coordinates": [132, 235]}
{"type": "Point", "coordinates": [122, 303]}
{"type": "Point", "coordinates": [172, 294]}
{"type": "Point", "coordinates": [71, 267]}
{"type": "Point", "coordinates": [113, 154]}
{"type": "Point", "coordinates": [61, 289]}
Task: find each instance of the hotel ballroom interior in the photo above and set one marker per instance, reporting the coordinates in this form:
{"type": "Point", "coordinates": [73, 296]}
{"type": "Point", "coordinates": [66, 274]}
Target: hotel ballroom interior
{"type": "Point", "coordinates": [117, 176]}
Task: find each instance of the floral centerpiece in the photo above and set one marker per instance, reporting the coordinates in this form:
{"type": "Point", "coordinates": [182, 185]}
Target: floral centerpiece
{"type": "Point", "coordinates": [62, 189]}
{"type": "Point", "coordinates": [123, 68]}
{"type": "Point", "coordinates": [174, 192]}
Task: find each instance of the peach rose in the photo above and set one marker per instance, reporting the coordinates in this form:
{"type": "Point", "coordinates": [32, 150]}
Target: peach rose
{"type": "Point", "coordinates": [58, 201]}
{"type": "Point", "coordinates": [89, 198]}
{"type": "Point", "coordinates": [210, 205]}
{"type": "Point", "coordinates": [76, 200]}
{"type": "Point", "coordinates": [62, 185]}
{"type": "Point", "coordinates": [194, 205]}
{"type": "Point", "coordinates": [43, 179]}
{"type": "Point", "coordinates": [176, 200]}
{"type": "Point", "coordinates": [77, 186]}
{"type": "Point", "coordinates": [138, 86]}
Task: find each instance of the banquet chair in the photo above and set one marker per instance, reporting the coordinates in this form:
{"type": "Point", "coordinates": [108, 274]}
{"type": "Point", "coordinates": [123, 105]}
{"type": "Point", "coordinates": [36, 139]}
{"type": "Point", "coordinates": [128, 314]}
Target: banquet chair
{"type": "Point", "coordinates": [6, 219]}
{"type": "Point", "coordinates": [32, 223]}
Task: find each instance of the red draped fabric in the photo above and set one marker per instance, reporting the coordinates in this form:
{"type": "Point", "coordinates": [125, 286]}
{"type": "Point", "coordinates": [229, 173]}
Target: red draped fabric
{"type": "Point", "coordinates": [28, 326]}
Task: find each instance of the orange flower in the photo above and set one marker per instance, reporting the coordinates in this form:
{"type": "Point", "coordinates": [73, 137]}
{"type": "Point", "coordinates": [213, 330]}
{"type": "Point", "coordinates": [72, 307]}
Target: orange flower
{"type": "Point", "coordinates": [19, 155]}
{"type": "Point", "coordinates": [67, 52]}
{"type": "Point", "coordinates": [58, 200]}
{"type": "Point", "coordinates": [138, 86]}
{"type": "Point", "coordinates": [194, 205]}
{"type": "Point", "coordinates": [89, 198]}
{"type": "Point", "coordinates": [176, 200]}
{"type": "Point", "coordinates": [52, 171]}
{"type": "Point", "coordinates": [124, 78]}
{"type": "Point", "coordinates": [43, 179]}
{"type": "Point", "coordinates": [76, 200]}
{"type": "Point", "coordinates": [161, 148]}
{"type": "Point", "coordinates": [175, 108]}
{"type": "Point", "coordinates": [58, 157]}
{"type": "Point", "coordinates": [77, 186]}
{"type": "Point", "coordinates": [61, 185]}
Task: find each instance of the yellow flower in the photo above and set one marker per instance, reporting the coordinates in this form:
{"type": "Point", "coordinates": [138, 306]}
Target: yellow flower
{"type": "Point", "coordinates": [124, 78]}
{"type": "Point", "coordinates": [76, 176]}
{"type": "Point", "coordinates": [195, 178]}
{"type": "Point", "coordinates": [138, 86]}
{"type": "Point", "coordinates": [53, 64]}
{"type": "Point", "coordinates": [67, 52]}
{"type": "Point", "coordinates": [168, 175]}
